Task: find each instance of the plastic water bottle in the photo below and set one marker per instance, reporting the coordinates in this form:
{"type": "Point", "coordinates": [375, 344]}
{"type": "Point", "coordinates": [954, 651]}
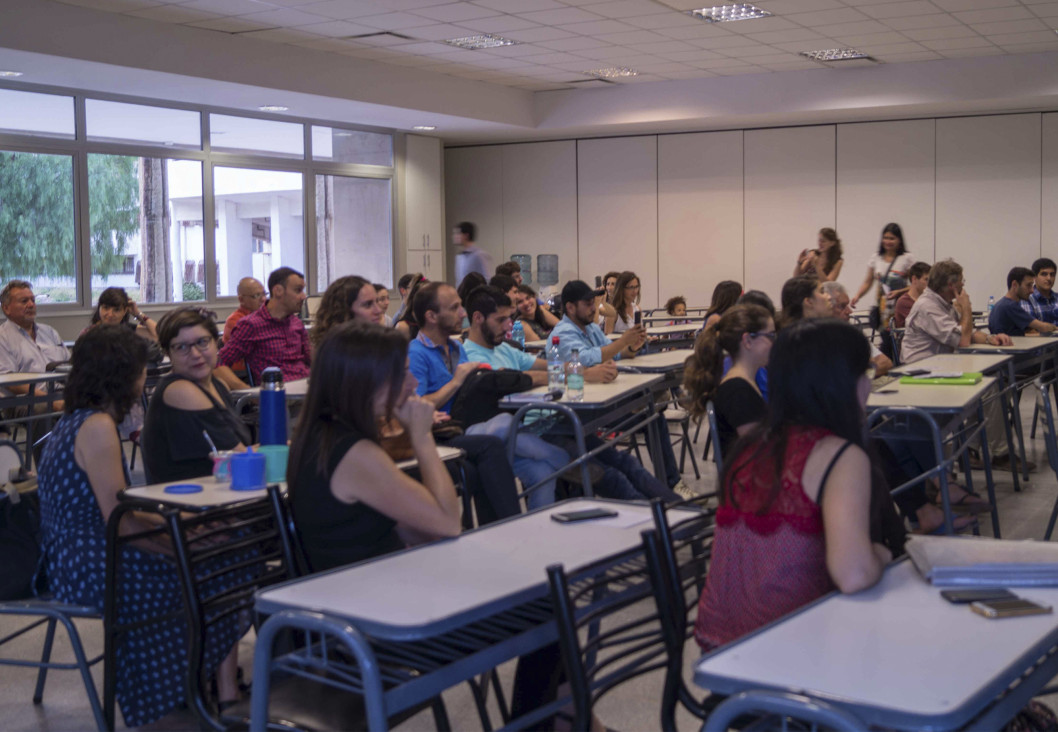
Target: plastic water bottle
{"type": "Point", "coordinates": [991, 303]}
{"type": "Point", "coordinates": [273, 421]}
{"type": "Point", "coordinates": [575, 378]}
{"type": "Point", "coordinates": [518, 333]}
{"type": "Point", "coordinates": [556, 369]}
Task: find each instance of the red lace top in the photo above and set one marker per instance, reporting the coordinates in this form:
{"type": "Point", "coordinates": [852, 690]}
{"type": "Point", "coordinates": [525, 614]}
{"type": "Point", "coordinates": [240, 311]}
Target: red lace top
{"type": "Point", "coordinates": [764, 566]}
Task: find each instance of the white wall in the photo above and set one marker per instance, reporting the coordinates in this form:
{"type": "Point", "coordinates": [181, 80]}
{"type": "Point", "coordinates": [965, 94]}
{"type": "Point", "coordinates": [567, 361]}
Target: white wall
{"type": "Point", "coordinates": [686, 211]}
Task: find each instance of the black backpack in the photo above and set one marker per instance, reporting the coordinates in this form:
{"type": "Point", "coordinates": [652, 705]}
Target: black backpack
{"type": "Point", "coordinates": [478, 399]}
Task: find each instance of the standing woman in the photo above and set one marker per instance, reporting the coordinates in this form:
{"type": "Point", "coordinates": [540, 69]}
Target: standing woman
{"type": "Point", "coordinates": [889, 268]}
{"type": "Point", "coordinates": [824, 262]}
{"type": "Point", "coordinates": [114, 307]}
{"type": "Point", "coordinates": [81, 473]}
{"type": "Point", "coordinates": [725, 295]}
{"type": "Point", "coordinates": [746, 333]}
{"type": "Point", "coordinates": [347, 298]}
{"type": "Point", "coordinates": [625, 304]}
{"type": "Point", "coordinates": [190, 400]}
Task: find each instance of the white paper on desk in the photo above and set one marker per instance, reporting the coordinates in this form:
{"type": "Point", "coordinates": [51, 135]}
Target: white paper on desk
{"type": "Point", "coordinates": [948, 561]}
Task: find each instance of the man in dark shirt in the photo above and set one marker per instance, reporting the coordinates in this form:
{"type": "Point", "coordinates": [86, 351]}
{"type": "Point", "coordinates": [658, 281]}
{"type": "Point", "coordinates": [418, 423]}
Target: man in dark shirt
{"type": "Point", "coordinates": [918, 277]}
{"type": "Point", "coordinates": [1008, 316]}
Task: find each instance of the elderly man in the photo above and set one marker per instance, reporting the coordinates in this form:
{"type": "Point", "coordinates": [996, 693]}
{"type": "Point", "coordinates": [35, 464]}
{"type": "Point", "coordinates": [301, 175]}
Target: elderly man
{"type": "Point", "coordinates": [270, 336]}
{"type": "Point", "coordinates": [839, 302]}
{"type": "Point", "coordinates": [25, 344]}
{"type": "Point", "coordinates": [251, 296]}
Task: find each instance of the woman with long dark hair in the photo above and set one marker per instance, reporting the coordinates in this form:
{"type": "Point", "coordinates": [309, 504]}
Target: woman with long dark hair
{"type": "Point", "coordinates": [797, 514]}
{"type": "Point", "coordinates": [823, 262]}
{"type": "Point", "coordinates": [406, 324]}
{"type": "Point", "coordinates": [803, 297]}
{"type": "Point", "coordinates": [889, 268]}
{"type": "Point", "coordinates": [725, 295]}
{"type": "Point", "coordinates": [538, 321]}
{"type": "Point", "coordinates": [625, 304]}
{"type": "Point", "coordinates": [349, 499]}
{"type": "Point", "coordinates": [115, 307]}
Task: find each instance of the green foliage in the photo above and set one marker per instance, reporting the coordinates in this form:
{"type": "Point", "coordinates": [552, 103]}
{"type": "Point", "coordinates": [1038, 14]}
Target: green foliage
{"type": "Point", "coordinates": [37, 215]}
{"type": "Point", "coordinates": [193, 291]}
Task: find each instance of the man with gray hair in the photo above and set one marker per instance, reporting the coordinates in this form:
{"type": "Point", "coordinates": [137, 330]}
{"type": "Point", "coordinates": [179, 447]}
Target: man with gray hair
{"type": "Point", "coordinates": [25, 344]}
{"type": "Point", "coordinates": [839, 301]}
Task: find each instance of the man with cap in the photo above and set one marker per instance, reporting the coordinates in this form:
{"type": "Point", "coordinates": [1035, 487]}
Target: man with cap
{"type": "Point", "coordinates": [578, 329]}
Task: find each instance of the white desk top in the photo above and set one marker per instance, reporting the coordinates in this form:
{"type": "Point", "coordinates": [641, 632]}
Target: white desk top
{"type": "Point", "coordinates": [432, 588]}
{"type": "Point", "coordinates": [662, 361]}
{"type": "Point", "coordinates": [965, 362]}
{"type": "Point", "coordinates": [942, 398]}
{"type": "Point", "coordinates": [595, 395]}
{"type": "Point", "coordinates": [24, 377]}
{"type": "Point", "coordinates": [213, 494]}
{"type": "Point", "coordinates": [1021, 344]}
{"type": "Point", "coordinates": [296, 389]}
{"type": "Point", "coordinates": [897, 646]}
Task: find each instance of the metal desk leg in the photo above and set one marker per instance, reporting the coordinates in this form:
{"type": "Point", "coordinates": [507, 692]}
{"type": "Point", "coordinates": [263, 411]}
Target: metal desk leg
{"type": "Point", "coordinates": [654, 438]}
{"type": "Point", "coordinates": [1017, 421]}
{"type": "Point", "coordinates": [986, 458]}
{"type": "Point", "coordinates": [1006, 408]}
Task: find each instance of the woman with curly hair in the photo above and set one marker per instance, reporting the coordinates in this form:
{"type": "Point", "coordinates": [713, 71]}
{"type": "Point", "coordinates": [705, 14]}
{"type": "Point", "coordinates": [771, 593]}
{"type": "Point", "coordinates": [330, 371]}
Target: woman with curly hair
{"type": "Point", "coordinates": [347, 298]}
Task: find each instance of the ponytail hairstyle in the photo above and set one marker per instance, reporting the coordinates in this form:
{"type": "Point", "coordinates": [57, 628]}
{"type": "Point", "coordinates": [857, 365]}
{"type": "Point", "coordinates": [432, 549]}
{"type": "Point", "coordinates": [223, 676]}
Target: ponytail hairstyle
{"type": "Point", "coordinates": [834, 253]}
{"type": "Point", "coordinates": [725, 294]}
{"type": "Point", "coordinates": [705, 367]}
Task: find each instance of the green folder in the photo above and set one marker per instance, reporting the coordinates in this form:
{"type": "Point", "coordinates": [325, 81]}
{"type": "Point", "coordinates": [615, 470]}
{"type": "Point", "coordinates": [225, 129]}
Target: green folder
{"type": "Point", "coordinates": [967, 379]}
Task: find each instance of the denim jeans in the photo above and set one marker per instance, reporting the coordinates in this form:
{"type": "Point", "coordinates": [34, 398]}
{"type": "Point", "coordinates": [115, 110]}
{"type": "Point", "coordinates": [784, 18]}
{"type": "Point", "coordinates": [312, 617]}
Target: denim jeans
{"type": "Point", "coordinates": [534, 458]}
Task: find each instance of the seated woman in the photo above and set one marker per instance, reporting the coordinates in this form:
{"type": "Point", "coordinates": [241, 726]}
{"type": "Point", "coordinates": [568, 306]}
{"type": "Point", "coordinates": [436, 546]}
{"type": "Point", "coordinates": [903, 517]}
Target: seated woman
{"type": "Point", "coordinates": [625, 304]}
{"type": "Point", "coordinates": [406, 324]}
{"type": "Point", "coordinates": [538, 321]}
{"type": "Point", "coordinates": [725, 295]}
{"type": "Point", "coordinates": [798, 513]}
{"type": "Point", "coordinates": [803, 297]}
{"type": "Point", "coordinates": [347, 298]}
{"type": "Point", "coordinates": [81, 473]}
{"type": "Point", "coordinates": [746, 332]}
{"type": "Point", "coordinates": [187, 402]}
{"type": "Point", "coordinates": [115, 307]}
{"type": "Point", "coordinates": [349, 499]}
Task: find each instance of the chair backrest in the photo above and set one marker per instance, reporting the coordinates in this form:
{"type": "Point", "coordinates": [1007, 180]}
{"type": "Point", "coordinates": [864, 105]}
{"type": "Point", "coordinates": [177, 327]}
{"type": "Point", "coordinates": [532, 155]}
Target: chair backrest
{"type": "Point", "coordinates": [785, 706]}
{"type": "Point", "coordinates": [714, 435]}
{"type": "Point", "coordinates": [625, 648]}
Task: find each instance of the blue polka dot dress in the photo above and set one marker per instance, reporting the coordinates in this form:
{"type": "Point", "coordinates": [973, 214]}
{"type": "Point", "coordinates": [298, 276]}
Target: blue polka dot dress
{"type": "Point", "coordinates": [151, 660]}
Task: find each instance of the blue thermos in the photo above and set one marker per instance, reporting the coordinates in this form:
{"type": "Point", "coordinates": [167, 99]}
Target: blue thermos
{"type": "Point", "coordinates": [273, 407]}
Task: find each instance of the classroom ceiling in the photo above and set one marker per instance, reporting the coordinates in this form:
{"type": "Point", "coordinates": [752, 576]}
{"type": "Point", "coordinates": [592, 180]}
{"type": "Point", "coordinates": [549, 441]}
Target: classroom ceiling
{"type": "Point", "coordinates": [558, 41]}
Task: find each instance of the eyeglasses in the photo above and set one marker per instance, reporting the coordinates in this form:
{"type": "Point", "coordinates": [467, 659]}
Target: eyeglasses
{"type": "Point", "coordinates": [631, 287]}
{"type": "Point", "coordinates": [201, 345]}
{"type": "Point", "coordinates": [770, 335]}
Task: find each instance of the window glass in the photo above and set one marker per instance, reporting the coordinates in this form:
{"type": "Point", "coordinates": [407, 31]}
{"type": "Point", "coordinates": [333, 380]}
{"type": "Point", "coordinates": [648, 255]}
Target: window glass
{"type": "Point", "coordinates": [242, 134]}
{"type": "Point", "coordinates": [352, 146]}
{"type": "Point", "coordinates": [119, 122]}
{"type": "Point", "coordinates": [40, 114]}
{"type": "Point", "coordinates": [354, 229]}
{"type": "Point", "coordinates": [260, 224]}
{"type": "Point", "coordinates": [37, 224]}
{"type": "Point", "coordinates": [146, 227]}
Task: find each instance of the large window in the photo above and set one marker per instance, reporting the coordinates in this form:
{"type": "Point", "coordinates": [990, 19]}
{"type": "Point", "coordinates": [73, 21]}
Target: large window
{"type": "Point", "coordinates": [146, 227]}
{"type": "Point", "coordinates": [354, 229]}
{"type": "Point", "coordinates": [260, 224]}
{"type": "Point", "coordinates": [351, 146]}
{"type": "Point", "coordinates": [120, 122]}
{"type": "Point", "coordinates": [37, 223]}
{"type": "Point", "coordinates": [38, 114]}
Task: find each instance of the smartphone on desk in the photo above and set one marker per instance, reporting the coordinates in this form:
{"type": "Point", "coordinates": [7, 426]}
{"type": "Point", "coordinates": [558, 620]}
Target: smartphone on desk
{"type": "Point", "coordinates": [978, 594]}
{"type": "Point", "coordinates": [572, 517]}
{"type": "Point", "coordinates": [1009, 608]}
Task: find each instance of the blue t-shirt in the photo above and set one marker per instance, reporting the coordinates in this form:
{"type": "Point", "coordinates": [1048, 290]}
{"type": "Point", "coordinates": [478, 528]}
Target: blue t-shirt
{"type": "Point", "coordinates": [429, 366]}
{"type": "Point", "coordinates": [503, 356]}
{"type": "Point", "coordinates": [589, 341]}
{"type": "Point", "coordinates": [1009, 317]}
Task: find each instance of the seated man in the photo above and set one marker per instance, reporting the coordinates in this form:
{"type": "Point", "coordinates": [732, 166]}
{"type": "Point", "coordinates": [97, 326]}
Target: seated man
{"type": "Point", "coordinates": [251, 295]}
{"type": "Point", "coordinates": [510, 269]}
{"type": "Point", "coordinates": [578, 329]}
{"type": "Point", "coordinates": [940, 321]}
{"type": "Point", "coordinates": [1008, 316]}
{"type": "Point", "coordinates": [918, 275]}
{"type": "Point", "coordinates": [272, 335]}
{"type": "Point", "coordinates": [1042, 303]}
{"type": "Point", "coordinates": [839, 301]}
{"type": "Point", "coordinates": [440, 366]}
{"type": "Point", "coordinates": [491, 315]}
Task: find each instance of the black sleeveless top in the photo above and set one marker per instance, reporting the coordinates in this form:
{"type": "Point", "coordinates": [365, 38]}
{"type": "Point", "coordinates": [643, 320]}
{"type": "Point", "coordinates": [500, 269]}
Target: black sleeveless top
{"type": "Point", "coordinates": [334, 533]}
{"type": "Point", "coordinates": [173, 445]}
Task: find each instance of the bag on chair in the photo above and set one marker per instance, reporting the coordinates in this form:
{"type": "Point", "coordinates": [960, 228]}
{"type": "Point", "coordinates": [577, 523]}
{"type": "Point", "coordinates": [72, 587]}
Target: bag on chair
{"type": "Point", "coordinates": [478, 399]}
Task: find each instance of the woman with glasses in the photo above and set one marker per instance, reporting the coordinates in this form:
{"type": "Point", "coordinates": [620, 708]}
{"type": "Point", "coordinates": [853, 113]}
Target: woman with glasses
{"type": "Point", "coordinates": [187, 402]}
{"type": "Point", "coordinates": [746, 333]}
{"type": "Point", "coordinates": [625, 304]}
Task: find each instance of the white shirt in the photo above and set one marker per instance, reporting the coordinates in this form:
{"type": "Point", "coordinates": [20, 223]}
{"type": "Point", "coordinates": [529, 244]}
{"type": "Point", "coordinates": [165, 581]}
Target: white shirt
{"type": "Point", "coordinates": [19, 353]}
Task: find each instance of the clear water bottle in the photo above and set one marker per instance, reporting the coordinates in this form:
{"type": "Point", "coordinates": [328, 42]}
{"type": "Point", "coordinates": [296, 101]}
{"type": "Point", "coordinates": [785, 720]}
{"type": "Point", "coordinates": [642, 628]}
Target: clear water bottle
{"type": "Point", "coordinates": [991, 303]}
{"type": "Point", "coordinates": [556, 368]}
{"type": "Point", "coordinates": [273, 422]}
{"type": "Point", "coordinates": [575, 378]}
{"type": "Point", "coordinates": [518, 333]}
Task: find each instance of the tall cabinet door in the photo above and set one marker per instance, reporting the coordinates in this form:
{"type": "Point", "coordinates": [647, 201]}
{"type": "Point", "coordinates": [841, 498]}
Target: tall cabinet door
{"type": "Point", "coordinates": [424, 217]}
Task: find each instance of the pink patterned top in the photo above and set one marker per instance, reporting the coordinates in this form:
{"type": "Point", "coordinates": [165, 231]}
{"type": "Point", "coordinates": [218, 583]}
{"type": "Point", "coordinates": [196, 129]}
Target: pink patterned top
{"type": "Point", "coordinates": [763, 565]}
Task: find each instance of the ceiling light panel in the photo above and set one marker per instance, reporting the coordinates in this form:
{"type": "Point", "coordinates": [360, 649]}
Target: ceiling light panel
{"type": "Point", "coordinates": [834, 54]}
{"type": "Point", "coordinates": [612, 72]}
{"type": "Point", "coordinates": [729, 13]}
{"type": "Point", "coordinates": [477, 42]}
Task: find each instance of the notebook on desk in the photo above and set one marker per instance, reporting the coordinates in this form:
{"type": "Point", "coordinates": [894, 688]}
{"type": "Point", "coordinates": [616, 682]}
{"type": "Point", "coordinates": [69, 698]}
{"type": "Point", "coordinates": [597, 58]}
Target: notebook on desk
{"type": "Point", "coordinates": [945, 378]}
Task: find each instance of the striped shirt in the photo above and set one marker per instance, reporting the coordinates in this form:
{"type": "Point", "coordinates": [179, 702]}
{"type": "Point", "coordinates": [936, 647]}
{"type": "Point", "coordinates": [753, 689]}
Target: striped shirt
{"type": "Point", "coordinates": [1040, 307]}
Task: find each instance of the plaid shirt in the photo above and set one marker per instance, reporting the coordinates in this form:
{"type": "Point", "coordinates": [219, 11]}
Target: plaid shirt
{"type": "Point", "coordinates": [1040, 307]}
{"type": "Point", "coordinates": [263, 341]}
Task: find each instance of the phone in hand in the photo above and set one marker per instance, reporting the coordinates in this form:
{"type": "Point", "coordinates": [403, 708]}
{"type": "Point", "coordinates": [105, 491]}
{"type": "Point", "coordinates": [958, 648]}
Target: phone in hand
{"type": "Point", "coordinates": [638, 317]}
{"type": "Point", "coordinates": [1009, 608]}
{"type": "Point", "coordinates": [571, 517]}
{"type": "Point", "coordinates": [977, 594]}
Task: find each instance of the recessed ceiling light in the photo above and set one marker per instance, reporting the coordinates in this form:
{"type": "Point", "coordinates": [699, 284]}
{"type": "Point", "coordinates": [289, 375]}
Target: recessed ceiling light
{"type": "Point", "coordinates": [612, 72]}
{"type": "Point", "coordinates": [10, 74]}
{"type": "Point", "coordinates": [482, 40]}
{"type": "Point", "coordinates": [424, 128]}
{"type": "Point", "coordinates": [835, 54]}
{"type": "Point", "coordinates": [273, 108]}
{"type": "Point", "coordinates": [728, 13]}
